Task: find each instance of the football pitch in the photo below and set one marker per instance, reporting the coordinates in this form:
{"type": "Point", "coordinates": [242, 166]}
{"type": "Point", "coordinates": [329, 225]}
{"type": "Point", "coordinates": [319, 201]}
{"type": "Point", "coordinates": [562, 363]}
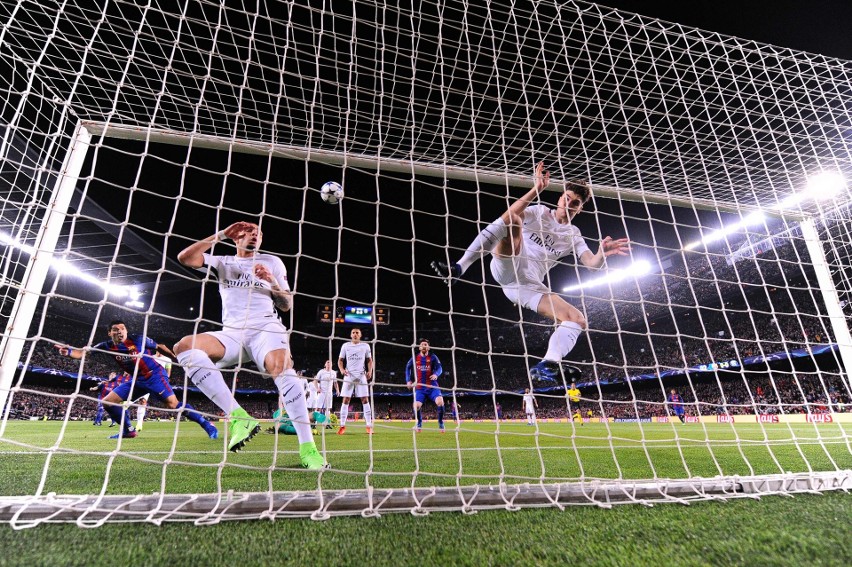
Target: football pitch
{"type": "Point", "coordinates": [83, 459]}
{"type": "Point", "coordinates": [810, 529]}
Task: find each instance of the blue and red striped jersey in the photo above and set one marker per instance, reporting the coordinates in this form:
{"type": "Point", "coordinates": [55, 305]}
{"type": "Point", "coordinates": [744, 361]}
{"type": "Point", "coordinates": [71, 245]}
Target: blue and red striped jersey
{"type": "Point", "coordinates": [423, 367]}
{"type": "Point", "coordinates": [128, 351]}
{"type": "Point", "coordinates": [676, 400]}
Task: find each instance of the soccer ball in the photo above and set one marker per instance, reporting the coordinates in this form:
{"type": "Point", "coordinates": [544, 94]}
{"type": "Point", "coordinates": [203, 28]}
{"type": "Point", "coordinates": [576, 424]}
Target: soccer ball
{"type": "Point", "coordinates": [331, 192]}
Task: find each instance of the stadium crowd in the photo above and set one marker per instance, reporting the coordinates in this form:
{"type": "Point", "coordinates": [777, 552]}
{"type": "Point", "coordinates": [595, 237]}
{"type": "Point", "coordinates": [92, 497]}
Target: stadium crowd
{"type": "Point", "coordinates": [748, 309]}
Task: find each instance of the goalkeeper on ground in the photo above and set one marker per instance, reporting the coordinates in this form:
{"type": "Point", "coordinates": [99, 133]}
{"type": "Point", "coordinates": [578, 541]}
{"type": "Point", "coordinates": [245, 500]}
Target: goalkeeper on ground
{"type": "Point", "coordinates": [284, 424]}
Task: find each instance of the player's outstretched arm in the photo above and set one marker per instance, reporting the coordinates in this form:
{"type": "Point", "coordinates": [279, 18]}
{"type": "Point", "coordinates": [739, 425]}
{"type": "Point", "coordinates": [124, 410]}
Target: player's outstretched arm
{"type": "Point", "coordinates": [608, 247]}
{"type": "Point", "coordinates": [541, 179]}
{"type": "Point", "coordinates": [69, 351]}
{"type": "Point", "coordinates": [193, 255]}
{"type": "Point", "coordinates": [166, 351]}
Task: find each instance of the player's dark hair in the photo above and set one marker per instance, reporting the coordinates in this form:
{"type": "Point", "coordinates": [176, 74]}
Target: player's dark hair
{"type": "Point", "coordinates": [424, 341]}
{"type": "Point", "coordinates": [114, 323]}
{"type": "Point", "coordinates": [580, 188]}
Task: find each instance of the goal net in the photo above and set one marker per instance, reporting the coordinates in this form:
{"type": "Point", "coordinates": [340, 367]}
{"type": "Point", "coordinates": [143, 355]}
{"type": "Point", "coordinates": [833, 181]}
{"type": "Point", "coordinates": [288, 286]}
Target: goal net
{"type": "Point", "coordinates": [714, 362]}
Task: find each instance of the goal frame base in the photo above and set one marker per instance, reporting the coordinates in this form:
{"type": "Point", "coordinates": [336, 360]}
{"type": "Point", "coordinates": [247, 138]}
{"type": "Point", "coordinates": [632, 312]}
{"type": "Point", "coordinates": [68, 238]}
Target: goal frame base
{"type": "Point", "coordinates": [93, 511]}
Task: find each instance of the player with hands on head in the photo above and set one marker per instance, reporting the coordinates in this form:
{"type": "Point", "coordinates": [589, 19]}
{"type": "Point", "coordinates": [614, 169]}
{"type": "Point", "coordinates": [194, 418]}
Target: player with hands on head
{"type": "Point", "coordinates": [527, 241]}
{"type": "Point", "coordinates": [252, 286]}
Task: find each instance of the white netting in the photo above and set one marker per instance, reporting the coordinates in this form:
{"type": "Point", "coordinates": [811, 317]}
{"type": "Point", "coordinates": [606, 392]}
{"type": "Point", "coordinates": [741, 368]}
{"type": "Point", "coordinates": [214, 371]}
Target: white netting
{"type": "Point", "coordinates": [432, 119]}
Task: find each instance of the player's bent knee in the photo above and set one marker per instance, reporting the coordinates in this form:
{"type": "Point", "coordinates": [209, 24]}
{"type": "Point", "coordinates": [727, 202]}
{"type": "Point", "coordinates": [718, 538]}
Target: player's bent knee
{"type": "Point", "coordinates": [113, 398]}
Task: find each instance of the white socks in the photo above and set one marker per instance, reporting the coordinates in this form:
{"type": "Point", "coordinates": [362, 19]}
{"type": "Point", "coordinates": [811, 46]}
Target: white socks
{"type": "Point", "coordinates": [484, 243]}
{"type": "Point", "coordinates": [368, 415]}
{"type": "Point", "coordinates": [562, 341]}
{"type": "Point", "coordinates": [140, 410]}
{"type": "Point", "coordinates": [291, 390]}
{"type": "Point", "coordinates": [207, 378]}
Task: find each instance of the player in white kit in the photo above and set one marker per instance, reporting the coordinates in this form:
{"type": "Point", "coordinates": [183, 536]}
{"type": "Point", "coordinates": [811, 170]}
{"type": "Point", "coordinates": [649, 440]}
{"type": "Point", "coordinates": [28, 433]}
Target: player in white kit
{"type": "Point", "coordinates": [525, 243]}
{"type": "Point", "coordinates": [326, 384]}
{"type": "Point", "coordinates": [252, 286]}
{"type": "Point", "coordinates": [313, 395]}
{"type": "Point", "coordinates": [356, 365]}
{"type": "Point", "coordinates": [530, 403]}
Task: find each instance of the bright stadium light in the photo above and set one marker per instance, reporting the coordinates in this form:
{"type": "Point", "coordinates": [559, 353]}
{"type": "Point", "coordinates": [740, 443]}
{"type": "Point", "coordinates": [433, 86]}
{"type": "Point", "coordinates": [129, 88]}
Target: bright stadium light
{"type": "Point", "coordinates": [636, 269]}
{"type": "Point", "coordinates": [820, 187]}
{"type": "Point", "coordinates": [752, 219]}
{"type": "Point", "coordinates": [65, 268]}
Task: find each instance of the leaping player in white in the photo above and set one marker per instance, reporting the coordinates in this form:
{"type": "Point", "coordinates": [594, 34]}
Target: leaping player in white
{"type": "Point", "coordinates": [530, 403]}
{"type": "Point", "coordinates": [356, 365]}
{"type": "Point", "coordinates": [252, 285]}
{"type": "Point", "coordinates": [326, 382]}
{"type": "Point", "coordinates": [525, 243]}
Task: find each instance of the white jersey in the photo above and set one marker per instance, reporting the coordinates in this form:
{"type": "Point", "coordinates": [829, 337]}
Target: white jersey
{"type": "Point", "coordinates": [312, 386]}
{"type": "Point", "coordinates": [529, 403]}
{"type": "Point", "coordinates": [356, 357]}
{"type": "Point", "coordinates": [326, 379]}
{"type": "Point", "coordinates": [546, 241]}
{"type": "Point", "coordinates": [245, 298]}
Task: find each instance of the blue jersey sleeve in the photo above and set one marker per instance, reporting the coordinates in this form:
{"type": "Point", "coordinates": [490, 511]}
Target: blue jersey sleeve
{"type": "Point", "coordinates": [409, 366]}
{"type": "Point", "coordinates": [150, 344]}
{"type": "Point", "coordinates": [437, 369]}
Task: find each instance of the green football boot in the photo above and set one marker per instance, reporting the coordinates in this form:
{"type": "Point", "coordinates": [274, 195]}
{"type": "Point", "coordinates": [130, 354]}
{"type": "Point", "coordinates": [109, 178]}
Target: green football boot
{"type": "Point", "coordinates": [311, 458]}
{"type": "Point", "coordinates": [241, 429]}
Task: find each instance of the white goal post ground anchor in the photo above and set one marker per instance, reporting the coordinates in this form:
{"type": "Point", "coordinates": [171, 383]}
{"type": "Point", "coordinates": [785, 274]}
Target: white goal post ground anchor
{"type": "Point", "coordinates": [212, 508]}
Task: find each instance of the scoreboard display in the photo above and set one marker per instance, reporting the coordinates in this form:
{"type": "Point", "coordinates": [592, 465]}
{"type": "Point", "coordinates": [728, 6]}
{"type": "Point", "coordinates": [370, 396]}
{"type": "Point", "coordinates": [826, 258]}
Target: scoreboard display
{"type": "Point", "coordinates": [353, 315]}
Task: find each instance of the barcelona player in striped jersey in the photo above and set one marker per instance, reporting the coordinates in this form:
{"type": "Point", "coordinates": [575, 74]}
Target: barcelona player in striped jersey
{"type": "Point", "coordinates": [676, 403]}
{"type": "Point", "coordinates": [104, 387]}
{"type": "Point", "coordinates": [129, 352]}
{"type": "Point", "coordinates": [421, 375]}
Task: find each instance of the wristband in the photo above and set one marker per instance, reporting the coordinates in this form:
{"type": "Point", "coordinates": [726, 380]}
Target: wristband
{"type": "Point", "coordinates": [220, 235]}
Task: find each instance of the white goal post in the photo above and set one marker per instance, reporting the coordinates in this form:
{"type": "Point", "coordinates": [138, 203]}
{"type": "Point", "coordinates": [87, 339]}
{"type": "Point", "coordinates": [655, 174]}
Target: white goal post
{"type": "Point", "coordinates": [168, 125]}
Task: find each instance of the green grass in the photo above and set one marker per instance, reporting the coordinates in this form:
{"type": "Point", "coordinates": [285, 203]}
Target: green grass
{"type": "Point", "coordinates": [394, 457]}
{"type": "Point", "coordinates": [776, 530]}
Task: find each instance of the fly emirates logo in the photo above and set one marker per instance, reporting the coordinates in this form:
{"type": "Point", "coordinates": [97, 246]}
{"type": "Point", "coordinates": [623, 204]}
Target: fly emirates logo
{"type": "Point", "coordinates": [245, 280]}
{"type": "Point", "coordinates": [546, 241]}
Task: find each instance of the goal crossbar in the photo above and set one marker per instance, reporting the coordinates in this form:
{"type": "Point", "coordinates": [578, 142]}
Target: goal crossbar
{"type": "Point", "coordinates": [373, 162]}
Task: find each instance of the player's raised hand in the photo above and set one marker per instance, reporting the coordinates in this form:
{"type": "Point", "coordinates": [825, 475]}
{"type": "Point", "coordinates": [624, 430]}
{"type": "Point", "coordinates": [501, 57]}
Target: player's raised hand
{"type": "Point", "coordinates": [541, 179]}
{"type": "Point", "coordinates": [612, 247]}
{"type": "Point", "coordinates": [64, 350]}
{"type": "Point", "coordinates": [237, 230]}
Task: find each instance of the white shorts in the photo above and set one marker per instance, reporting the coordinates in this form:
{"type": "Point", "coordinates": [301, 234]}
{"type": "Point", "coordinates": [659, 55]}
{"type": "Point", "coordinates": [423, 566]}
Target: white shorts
{"type": "Point", "coordinates": [518, 284]}
{"type": "Point", "coordinates": [242, 345]}
{"type": "Point", "coordinates": [324, 400]}
{"type": "Point", "coordinates": [312, 399]}
{"type": "Point", "coordinates": [532, 413]}
{"type": "Point", "coordinates": [356, 383]}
